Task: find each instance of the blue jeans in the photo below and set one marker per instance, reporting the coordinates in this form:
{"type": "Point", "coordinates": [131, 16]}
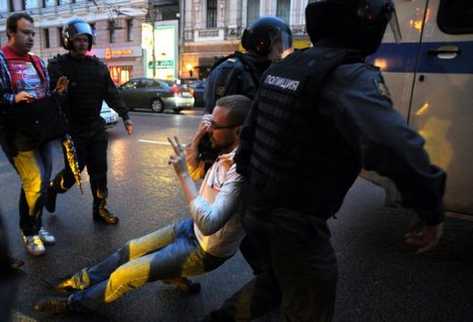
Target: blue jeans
{"type": "Point", "coordinates": [170, 252]}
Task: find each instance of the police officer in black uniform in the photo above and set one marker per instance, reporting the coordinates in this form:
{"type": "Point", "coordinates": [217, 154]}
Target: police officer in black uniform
{"type": "Point", "coordinates": [320, 116]}
{"type": "Point", "coordinates": [265, 40]}
{"type": "Point", "coordinates": [89, 85]}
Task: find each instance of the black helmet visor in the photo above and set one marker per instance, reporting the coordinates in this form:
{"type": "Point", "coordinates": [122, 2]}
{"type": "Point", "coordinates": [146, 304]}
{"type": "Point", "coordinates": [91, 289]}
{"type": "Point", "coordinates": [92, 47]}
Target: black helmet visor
{"type": "Point", "coordinates": [286, 40]}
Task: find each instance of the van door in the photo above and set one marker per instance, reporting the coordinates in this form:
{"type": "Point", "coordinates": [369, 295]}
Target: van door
{"type": "Point", "coordinates": [398, 61]}
{"type": "Point", "coordinates": [442, 98]}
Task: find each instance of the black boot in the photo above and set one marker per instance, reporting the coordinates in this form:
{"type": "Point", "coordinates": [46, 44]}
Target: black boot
{"type": "Point", "coordinates": [54, 187]}
{"type": "Point", "coordinates": [51, 194]}
{"type": "Point", "coordinates": [102, 214]}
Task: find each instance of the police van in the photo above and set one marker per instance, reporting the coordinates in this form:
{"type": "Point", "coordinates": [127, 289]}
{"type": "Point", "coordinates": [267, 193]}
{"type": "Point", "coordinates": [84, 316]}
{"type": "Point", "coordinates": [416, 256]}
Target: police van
{"type": "Point", "coordinates": [429, 73]}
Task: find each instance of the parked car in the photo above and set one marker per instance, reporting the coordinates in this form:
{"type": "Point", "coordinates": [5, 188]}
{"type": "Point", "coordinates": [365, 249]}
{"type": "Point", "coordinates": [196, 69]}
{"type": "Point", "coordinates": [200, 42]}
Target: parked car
{"type": "Point", "coordinates": [110, 116]}
{"type": "Point", "coordinates": [156, 94]}
{"type": "Point", "coordinates": [197, 87]}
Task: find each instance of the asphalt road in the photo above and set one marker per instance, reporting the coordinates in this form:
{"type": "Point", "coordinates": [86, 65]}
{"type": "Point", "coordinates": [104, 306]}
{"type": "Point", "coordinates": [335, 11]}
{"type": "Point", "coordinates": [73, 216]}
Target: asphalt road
{"type": "Point", "coordinates": [380, 278]}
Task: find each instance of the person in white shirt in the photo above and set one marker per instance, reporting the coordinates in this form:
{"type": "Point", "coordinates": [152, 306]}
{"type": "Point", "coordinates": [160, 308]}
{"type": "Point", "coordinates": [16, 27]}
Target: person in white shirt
{"type": "Point", "coordinates": [190, 247]}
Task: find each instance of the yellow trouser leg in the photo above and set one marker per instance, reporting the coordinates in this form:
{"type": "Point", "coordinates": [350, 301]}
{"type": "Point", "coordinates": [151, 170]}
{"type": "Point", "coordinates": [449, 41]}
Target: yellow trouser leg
{"type": "Point", "coordinates": [30, 175]}
{"type": "Point", "coordinates": [132, 275]}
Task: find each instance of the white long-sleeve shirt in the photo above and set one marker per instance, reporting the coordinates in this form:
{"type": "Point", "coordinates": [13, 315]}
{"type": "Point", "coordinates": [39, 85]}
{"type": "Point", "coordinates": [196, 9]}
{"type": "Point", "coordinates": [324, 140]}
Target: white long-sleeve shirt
{"type": "Point", "coordinates": [216, 211]}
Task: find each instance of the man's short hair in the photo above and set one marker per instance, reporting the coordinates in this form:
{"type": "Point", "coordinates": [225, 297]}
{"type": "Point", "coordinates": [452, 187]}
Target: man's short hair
{"type": "Point", "coordinates": [238, 107]}
{"type": "Point", "coordinates": [12, 21]}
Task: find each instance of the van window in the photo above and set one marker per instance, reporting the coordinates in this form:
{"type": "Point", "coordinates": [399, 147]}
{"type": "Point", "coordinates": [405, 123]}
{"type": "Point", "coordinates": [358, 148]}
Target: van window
{"type": "Point", "coordinates": [456, 16]}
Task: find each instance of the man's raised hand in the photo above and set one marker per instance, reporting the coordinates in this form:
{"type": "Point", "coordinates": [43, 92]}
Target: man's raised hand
{"type": "Point", "coordinates": [178, 160]}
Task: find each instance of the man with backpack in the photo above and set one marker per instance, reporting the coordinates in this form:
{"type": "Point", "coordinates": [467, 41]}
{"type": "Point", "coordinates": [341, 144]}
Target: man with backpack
{"type": "Point", "coordinates": [265, 41]}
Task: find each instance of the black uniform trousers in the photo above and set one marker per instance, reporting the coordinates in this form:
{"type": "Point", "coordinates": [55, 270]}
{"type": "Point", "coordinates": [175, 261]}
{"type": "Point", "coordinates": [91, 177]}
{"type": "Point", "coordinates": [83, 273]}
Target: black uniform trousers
{"type": "Point", "coordinates": [91, 147]}
{"type": "Point", "coordinates": [296, 264]}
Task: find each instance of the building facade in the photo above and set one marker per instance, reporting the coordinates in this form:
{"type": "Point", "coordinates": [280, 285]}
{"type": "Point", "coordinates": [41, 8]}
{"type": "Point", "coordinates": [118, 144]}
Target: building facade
{"type": "Point", "coordinates": [131, 40]}
{"type": "Point", "coordinates": [117, 24]}
{"type": "Point", "coordinates": [212, 28]}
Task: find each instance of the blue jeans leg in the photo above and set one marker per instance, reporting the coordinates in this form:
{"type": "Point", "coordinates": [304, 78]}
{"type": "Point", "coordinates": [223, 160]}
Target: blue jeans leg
{"type": "Point", "coordinates": [183, 257]}
{"type": "Point", "coordinates": [133, 249]}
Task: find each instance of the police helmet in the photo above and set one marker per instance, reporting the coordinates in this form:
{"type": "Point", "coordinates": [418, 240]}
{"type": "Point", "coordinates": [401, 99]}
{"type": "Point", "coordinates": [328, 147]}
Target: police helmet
{"type": "Point", "coordinates": [262, 34]}
{"type": "Point", "coordinates": [355, 24]}
{"type": "Point", "coordinates": [74, 28]}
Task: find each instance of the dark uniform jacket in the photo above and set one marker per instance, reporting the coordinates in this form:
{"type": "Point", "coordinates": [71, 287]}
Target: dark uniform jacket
{"type": "Point", "coordinates": [90, 84]}
{"type": "Point", "coordinates": [316, 122]}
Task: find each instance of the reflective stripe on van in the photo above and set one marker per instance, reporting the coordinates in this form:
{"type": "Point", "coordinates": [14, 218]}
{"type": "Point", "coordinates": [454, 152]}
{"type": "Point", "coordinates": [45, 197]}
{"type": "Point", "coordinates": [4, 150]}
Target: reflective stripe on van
{"type": "Point", "coordinates": [401, 58]}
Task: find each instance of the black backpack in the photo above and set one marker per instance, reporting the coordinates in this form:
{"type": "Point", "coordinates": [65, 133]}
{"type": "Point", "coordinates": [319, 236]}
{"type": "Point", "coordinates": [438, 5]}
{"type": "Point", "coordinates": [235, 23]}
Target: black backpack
{"type": "Point", "coordinates": [237, 75]}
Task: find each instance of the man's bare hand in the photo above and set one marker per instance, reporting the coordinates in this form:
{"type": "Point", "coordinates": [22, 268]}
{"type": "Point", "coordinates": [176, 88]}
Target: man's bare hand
{"type": "Point", "coordinates": [128, 126]}
{"type": "Point", "coordinates": [61, 85]}
{"type": "Point", "coordinates": [178, 160]}
{"type": "Point", "coordinates": [423, 237]}
{"type": "Point", "coordinates": [203, 128]}
{"type": "Point", "coordinates": [24, 97]}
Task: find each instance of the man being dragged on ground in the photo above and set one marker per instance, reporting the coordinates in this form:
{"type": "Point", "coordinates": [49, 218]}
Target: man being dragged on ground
{"type": "Point", "coordinates": [190, 247]}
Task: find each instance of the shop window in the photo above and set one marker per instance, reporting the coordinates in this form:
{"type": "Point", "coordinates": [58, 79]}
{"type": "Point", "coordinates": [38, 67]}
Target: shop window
{"type": "Point", "coordinates": [252, 11]}
{"type": "Point", "coordinates": [120, 74]}
{"type": "Point", "coordinates": [456, 16]}
{"type": "Point", "coordinates": [283, 9]}
{"type": "Point", "coordinates": [211, 13]}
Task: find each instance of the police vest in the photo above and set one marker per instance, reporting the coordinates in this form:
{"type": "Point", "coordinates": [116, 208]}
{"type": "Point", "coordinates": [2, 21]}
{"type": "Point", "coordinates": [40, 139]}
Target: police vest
{"type": "Point", "coordinates": [297, 151]}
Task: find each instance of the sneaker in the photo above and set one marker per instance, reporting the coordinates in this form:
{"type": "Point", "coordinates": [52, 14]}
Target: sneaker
{"type": "Point", "coordinates": [34, 245]}
{"type": "Point", "coordinates": [105, 216]}
{"type": "Point", "coordinates": [50, 200]}
{"type": "Point", "coordinates": [46, 237]}
{"type": "Point", "coordinates": [53, 305]}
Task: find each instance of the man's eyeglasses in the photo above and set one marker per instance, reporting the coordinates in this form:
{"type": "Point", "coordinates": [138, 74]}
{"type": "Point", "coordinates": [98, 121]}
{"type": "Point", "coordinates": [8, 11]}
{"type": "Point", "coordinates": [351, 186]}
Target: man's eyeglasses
{"type": "Point", "coordinates": [216, 126]}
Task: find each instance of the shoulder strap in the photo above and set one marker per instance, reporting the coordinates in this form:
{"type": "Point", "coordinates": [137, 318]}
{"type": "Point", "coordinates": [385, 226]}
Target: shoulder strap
{"type": "Point", "coordinates": [221, 60]}
{"type": "Point", "coordinates": [250, 67]}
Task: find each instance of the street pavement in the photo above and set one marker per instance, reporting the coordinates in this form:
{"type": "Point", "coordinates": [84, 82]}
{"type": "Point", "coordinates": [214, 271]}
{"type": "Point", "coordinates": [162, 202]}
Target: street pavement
{"type": "Point", "coordinates": [380, 278]}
